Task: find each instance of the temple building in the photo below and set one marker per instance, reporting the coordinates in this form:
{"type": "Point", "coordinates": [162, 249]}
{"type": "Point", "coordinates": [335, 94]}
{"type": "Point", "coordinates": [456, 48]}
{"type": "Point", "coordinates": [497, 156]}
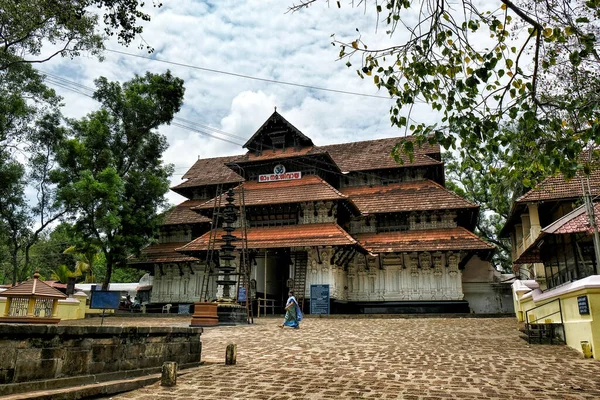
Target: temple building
{"type": "Point", "coordinates": [387, 237]}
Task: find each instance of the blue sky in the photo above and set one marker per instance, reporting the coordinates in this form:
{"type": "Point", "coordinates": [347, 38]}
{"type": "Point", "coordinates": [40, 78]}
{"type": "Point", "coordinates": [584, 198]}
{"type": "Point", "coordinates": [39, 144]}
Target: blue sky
{"type": "Point", "coordinates": [256, 38]}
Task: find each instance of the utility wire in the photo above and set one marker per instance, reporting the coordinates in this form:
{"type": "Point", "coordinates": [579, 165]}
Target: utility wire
{"type": "Point", "coordinates": [216, 71]}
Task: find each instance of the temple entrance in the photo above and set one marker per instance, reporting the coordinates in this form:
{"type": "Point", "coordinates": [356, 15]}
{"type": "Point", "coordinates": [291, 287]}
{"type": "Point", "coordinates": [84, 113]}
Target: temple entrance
{"type": "Point", "coordinates": [272, 272]}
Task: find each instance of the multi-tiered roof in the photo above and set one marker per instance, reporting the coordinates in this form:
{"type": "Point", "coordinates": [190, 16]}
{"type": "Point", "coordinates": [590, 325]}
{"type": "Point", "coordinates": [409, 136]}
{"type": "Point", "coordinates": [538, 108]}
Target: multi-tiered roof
{"type": "Point", "coordinates": [360, 181]}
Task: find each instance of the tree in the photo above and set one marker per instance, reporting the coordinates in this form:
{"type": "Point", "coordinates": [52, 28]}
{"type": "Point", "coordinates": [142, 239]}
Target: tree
{"type": "Point", "coordinates": [111, 176]}
{"type": "Point", "coordinates": [485, 184]}
{"type": "Point", "coordinates": [530, 64]}
{"type": "Point", "coordinates": [68, 26]}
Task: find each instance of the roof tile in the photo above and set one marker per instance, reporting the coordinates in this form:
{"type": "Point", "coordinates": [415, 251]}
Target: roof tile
{"type": "Point", "coordinates": [210, 171]}
{"type": "Point", "coordinates": [308, 188]}
{"type": "Point", "coordinates": [327, 234]}
{"type": "Point", "coordinates": [34, 288]}
{"type": "Point", "coordinates": [405, 196]}
{"type": "Point", "coordinates": [182, 214]}
{"type": "Point", "coordinates": [161, 253]}
{"type": "Point", "coordinates": [422, 240]}
{"type": "Point", "coordinates": [557, 187]}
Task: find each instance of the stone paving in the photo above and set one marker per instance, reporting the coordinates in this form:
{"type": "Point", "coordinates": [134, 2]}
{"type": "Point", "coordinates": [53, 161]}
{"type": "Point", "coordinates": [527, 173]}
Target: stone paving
{"type": "Point", "coordinates": [428, 358]}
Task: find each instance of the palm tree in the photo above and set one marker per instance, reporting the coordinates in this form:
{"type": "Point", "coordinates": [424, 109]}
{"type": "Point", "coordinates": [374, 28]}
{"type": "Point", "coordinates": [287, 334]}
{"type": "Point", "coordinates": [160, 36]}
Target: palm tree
{"type": "Point", "coordinates": [85, 261]}
{"type": "Point", "coordinates": [62, 273]}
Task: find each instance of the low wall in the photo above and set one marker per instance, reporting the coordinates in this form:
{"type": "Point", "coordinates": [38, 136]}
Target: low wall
{"type": "Point", "coordinates": [43, 352]}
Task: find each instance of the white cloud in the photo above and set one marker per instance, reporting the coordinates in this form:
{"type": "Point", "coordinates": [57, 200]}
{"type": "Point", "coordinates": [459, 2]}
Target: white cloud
{"type": "Point", "coordinates": [256, 38]}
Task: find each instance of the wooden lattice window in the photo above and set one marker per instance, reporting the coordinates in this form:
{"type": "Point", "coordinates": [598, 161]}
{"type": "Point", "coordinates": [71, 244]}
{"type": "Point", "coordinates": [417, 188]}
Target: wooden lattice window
{"type": "Point", "coordinates": [43, 308]}
{"type": "Point", "coordinates": [18, 307]}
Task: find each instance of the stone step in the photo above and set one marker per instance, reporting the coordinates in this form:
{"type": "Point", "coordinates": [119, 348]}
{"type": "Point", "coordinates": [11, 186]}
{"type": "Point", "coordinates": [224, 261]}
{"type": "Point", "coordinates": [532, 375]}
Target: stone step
{"type": "Point", "coordinates": [86, 391]}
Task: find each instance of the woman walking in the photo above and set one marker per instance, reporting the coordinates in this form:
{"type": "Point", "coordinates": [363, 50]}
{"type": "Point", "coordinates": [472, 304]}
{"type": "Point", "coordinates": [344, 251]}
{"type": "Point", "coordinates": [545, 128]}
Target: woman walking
{"type": "Point", "coordinates": [293, 315]}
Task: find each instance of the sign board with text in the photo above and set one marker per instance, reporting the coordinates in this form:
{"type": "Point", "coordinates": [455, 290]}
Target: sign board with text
{"type": "Point", "coordinates": [319, 299]}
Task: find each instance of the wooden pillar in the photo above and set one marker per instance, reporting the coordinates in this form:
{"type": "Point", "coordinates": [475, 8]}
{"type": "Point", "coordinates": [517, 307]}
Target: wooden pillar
{"type": "Point", "coordinates": [54, 308]}
{"type": "Point", "coordinates": [31, 307]}
{"type": "Point", "coordinates": [7, 306]}
{"type": "Point", "coordinates": [265, 277]}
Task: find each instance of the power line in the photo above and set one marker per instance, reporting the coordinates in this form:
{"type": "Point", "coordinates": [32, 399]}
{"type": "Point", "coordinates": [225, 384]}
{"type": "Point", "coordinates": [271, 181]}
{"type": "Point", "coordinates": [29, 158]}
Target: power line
{"type": "Point", "coordinates": [216, 71]}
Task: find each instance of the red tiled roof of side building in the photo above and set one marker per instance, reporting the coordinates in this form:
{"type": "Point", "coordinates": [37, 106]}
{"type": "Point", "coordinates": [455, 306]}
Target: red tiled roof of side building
{"type": "Point", "coordinates": [376, 154]}
{"type": "Point", "coordinates": [577, 221]}
{"type": "Point", "coordinates": [557, 187]}
{"type": "Point", "coordinates": [161, 253]}
{"type": "Point", "coordinates": [405, 196]}
{"type": "Point", "coordinates": [34, 288]}
{"type": "Point", "coordinates": [209, 171]}
{"type": "Point", "coordinates": [448, 239]}
{"type": "Point", "coordinates": [182, 214]}
{"type": "Point", "coordinates": [308, 188]}
{"type": "Point", "coordinates": [326, 234]}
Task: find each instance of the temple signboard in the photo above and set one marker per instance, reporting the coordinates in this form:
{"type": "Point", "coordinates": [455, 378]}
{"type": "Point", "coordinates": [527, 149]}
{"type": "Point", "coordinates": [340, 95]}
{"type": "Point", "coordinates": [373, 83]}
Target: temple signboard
{"type": "Point", "coordinates": [279, 174]}
{"type": "Point", "coordinates": [319, 299]}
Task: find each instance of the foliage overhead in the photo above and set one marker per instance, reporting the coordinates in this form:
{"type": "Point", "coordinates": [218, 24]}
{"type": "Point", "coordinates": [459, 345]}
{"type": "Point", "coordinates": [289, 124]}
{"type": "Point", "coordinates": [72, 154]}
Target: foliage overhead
{"type": "Point", "coordinates": [66, 27]}
{"type": "Point", "coordinates": [111, 177]}
{"type": "Point", "coordinates": [529, 64]}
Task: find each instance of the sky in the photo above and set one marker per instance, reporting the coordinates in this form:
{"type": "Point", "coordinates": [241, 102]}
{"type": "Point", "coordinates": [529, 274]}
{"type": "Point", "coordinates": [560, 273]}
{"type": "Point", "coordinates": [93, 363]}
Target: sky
{"type": "Point", "coordinates": [255, 38]}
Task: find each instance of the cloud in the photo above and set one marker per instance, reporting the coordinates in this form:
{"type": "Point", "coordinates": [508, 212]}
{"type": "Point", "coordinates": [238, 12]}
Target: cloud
{"type": "Point", "coordinates": [255, 38]}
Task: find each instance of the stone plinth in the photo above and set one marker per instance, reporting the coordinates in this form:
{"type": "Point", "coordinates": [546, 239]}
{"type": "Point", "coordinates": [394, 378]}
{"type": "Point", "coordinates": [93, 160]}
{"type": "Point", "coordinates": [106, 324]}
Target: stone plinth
{"type": "Point", "coordinates": [232, 314]}
{"type": "Point", "coordinates": [205, 314]}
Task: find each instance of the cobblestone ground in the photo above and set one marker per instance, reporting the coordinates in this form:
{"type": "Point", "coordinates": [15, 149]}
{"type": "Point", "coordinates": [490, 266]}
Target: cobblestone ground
{"type": "Point", "coordinates": [379, 358]}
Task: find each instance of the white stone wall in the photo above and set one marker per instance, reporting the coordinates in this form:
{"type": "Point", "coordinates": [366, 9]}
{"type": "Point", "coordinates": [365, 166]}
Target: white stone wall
{"type": "Point", "coordinates": [172, 287]}
{"type": "Point", "coordinates": [403, 277]}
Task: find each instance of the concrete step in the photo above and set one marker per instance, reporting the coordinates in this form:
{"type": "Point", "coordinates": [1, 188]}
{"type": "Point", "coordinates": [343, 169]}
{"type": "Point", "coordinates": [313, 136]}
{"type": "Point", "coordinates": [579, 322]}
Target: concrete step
{"type": "Point", "coordinates": [86, 391]}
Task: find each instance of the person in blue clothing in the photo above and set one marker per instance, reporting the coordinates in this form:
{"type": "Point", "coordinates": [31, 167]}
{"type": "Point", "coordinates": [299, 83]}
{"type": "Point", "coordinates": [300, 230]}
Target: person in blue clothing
{"type": "Point", "coordinates": [293, 315]}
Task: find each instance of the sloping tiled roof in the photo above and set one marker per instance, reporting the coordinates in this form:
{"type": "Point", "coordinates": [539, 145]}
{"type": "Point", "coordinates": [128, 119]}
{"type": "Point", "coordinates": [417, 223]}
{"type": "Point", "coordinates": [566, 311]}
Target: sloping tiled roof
{"type": "Point", "coordinates": [279, 154]}
{"type": "Point", "coordinates": [574, 222]}
{"type": "Point", "coordinates": [161, 253]}
{"type": "Point", "coordinates": [422, 240]}
{"type": "Point", "coordinates": [557, 187]}
{"type": "Point", "coordinates": [34, 288]}
{"type": "Point", "coordinates": [326, 234]}
{"type": "Point", "coordinates": [376, 154]}
{"type": "Point", "coordinates": [209, 171]}
{"type": "Point", "coordinates": [308, 188]}
{"type": "Point", "coordinates": [405, 196]}
{"type": "Point", "coordinates": [182, 214]}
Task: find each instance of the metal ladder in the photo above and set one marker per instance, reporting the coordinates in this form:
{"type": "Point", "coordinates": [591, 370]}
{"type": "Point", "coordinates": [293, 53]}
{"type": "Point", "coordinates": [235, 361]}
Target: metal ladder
{"type": "Point", "coordinates": [212, 239]}
{"type": "Point", "coordinates": [300, 266]}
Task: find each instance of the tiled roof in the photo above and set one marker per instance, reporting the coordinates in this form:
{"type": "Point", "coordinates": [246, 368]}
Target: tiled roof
{"type": "Point", "coordinates": [182, 214]}
{"type": "Point", "coordinates": [34, 288]}
{"type": "Point", "coordinates": [574, 222]}
{"type": "Point", "coordinates": [161, 253]}
{"type": "Point", "coordinates": [279, 154]}
{"type": "Point", "coordinates": [308, 188]}
{"type": "Point", "coordinates": [557, 187]}
{"type": "Point", "coordinates": [405, 196]}
{"type": "Point", "coordinates": [209, 171]}
{"type": "Point", "coordinates": [422, 240]}
{"type": "Point", "coordinates": [327, 234]}
{"type": "Point", "coordinates": [376, 154]}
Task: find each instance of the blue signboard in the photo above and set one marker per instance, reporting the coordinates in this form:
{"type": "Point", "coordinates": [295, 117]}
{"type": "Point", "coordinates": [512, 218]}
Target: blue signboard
{"type": "Point", "coordinates": [242, 294]}
{"type": "Point", "coordinates": [319, 299]}
{"type": "Point", "coordinates": [103, 299]}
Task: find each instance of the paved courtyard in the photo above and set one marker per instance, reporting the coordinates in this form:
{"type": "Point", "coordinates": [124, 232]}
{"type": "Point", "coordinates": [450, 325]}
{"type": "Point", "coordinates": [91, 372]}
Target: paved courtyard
{"type": "Point", "coordinates": [429, 358]}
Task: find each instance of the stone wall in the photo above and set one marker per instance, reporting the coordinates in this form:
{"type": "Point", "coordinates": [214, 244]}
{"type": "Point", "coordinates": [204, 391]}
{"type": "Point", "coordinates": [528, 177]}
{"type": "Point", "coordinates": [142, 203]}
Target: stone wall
{"type": "Point", "coordinates": [42, 352]}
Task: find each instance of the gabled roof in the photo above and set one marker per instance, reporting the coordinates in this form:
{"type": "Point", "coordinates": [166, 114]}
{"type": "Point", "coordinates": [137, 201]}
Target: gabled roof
{"type": "Point", "coordinates": [275, 125]}
{"type": "Point", "coordinates": [558, 188]}
{"type": "Point", "coordinates": [450, 239]}
{"type": "Point", "coordinates": [34, 288]}
{"type": "Point", "coordinates": [326, 234]}
{"type": "Point", "coordinates": [577, 221]}
{"type": "Point", "coordinates": [209, 171]}
{"type": "Point", "coordinates": [376, 154]}
{"type": "Point", "coordinates": [308, 188]}
{"type": "Point", "coordinates": [182, 214]}
{"type": "Point", "coordinates": [405, 196]}
{"type": "Point", "coordinates": [276, 154]}
{"type": "Point", "coordinates": [161, 253]}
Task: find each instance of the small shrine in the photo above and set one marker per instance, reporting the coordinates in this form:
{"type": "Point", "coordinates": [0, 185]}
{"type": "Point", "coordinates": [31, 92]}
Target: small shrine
{"type": "Point", "coordinates": [32, 302]}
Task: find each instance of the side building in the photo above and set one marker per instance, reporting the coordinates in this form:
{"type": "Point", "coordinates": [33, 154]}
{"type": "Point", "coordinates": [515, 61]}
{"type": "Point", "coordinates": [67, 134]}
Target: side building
{"type": "Point", "coordinates": [557, 294]}
{"type": "Point", "coordinates": [387, 237]}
